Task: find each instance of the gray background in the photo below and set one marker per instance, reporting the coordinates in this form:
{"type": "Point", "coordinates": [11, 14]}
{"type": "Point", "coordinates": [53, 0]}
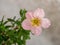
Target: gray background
{"type": "Point", "coordinates": [50, 36]}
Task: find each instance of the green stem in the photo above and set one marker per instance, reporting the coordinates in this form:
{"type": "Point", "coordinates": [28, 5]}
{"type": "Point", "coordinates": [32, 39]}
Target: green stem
{"type": "Point", "coordinates": [24, 41]}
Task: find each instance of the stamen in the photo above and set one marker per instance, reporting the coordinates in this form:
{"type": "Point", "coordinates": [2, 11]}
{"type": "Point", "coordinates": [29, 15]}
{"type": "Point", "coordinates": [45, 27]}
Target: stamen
{"type": "Point", "coordinates": [36, 22]}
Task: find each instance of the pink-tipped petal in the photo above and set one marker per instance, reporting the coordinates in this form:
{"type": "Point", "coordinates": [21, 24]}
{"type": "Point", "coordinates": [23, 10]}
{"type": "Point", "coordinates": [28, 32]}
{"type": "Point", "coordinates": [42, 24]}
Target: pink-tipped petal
{"type": "Point", "coordinates": [36, 31]}
{"type": "Point", "coordinates": [29, 15]}
{"type": "Point", "coordinates": [46, 23]}
{"type": "Point", "coordinates": [26, 24]}
{"type": "Point", "coordinates": [39, 13]}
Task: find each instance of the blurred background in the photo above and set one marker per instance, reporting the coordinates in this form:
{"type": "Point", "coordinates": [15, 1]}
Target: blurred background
{"type": "Point", "coordinates": [50, 36]}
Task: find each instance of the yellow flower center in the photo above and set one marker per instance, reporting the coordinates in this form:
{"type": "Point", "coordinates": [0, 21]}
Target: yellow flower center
{"type": "Point", "coordinates": [35, 22]}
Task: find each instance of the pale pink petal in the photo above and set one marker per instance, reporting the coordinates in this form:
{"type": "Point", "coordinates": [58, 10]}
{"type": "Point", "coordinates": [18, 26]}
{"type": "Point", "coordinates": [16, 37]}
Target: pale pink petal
{"type": "Point", "coordinates": [29, 15]}
{"type": "Point", "coordinates": [26, 24]}
{"type": "Point", "coordinates": [46, 23]}
{"type": "Point", "coordinates": [36, 31]}
{"type": "Point", "coordinates": [39, 12]}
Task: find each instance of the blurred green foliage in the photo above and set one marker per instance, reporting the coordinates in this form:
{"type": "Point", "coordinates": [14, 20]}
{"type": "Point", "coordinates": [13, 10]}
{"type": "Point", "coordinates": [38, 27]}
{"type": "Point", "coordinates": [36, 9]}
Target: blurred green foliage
{"type": "Point", "coordinates": [13, 33]}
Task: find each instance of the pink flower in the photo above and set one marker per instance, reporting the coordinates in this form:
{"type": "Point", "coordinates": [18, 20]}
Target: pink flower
{"type": "Point", "coordinates": [35, 21]}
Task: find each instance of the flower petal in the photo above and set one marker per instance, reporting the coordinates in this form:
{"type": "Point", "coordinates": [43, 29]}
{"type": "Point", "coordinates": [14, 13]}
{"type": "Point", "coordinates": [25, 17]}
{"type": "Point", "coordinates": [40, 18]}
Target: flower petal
{"type": "Point", "coordinates": [29, 15]}
{"type": "Point", "coordinates": [39, 12]}
{"type": "Point", "coordinates": [26, 24]}
{"type": "Point", "coordinates": [46, 23]}
{"type": "Point", "coordinates": [36, 31]}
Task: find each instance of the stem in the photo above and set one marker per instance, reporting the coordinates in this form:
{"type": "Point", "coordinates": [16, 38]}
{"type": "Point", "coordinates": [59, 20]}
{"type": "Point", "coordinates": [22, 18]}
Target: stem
{"type": "Point", "coordinates": [24, 41]}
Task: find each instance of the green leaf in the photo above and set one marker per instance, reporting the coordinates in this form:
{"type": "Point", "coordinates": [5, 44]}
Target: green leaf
{"type": "Point", "coordinates": [19, 42]}
{"type": "Point", "coordinates": [5, 38]}
{"type": "Point", "coordinates": [22, 12]}
{"type": "Point", "coordinates": [1, 39]}
{"type": "Point", "coordinates": [11, 20]}
{"type": "Point", "coordinates": [2, 28]}
{"type": "Point", "coordinates": [2, 19]}
{"type": "Point", "coordinates": [8, 26]}
{"type": "Point", "coordinates": [5, 22]}
{"type": "Point", "coordinates": [14, 17]}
